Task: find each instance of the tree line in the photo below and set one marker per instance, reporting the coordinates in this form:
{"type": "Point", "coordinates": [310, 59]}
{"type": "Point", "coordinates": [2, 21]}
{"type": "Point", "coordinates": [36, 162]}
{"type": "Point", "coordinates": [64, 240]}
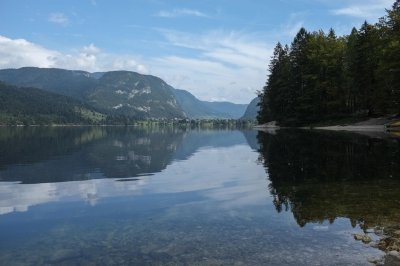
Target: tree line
{"type": "Point", "coordinates": [321, 76]}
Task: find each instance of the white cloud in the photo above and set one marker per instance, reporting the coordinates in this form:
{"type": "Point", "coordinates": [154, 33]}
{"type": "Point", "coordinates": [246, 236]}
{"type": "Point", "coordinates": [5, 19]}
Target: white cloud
{"type": "Point", "coordinates": [179, 12]}
{"type": "Point", "coordinates": [225, 65]}
{"type": "Point", "coordinates": [223, 46]}
{"type": "Point", "coordinates": [90, 49]}
{"type": "Point", "coordinates": [15, 53]}
{"type": "Point", "coordinates": [208, 79]}
{"type": "Point", "coordinates": [364, 9]}
{"type": "Point", "coordinates": [19, 52]}
{"type": "Point", "coordinates": [59, 18]}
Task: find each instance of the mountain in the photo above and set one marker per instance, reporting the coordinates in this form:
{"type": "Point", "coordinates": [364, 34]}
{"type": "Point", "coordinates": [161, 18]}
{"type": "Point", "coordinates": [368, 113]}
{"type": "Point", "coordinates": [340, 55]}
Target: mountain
{"type": "Point", "coordinates": [124, 93]}
{"type": "Point", "coordinates": [233, 110]}
{"type": "Point", "coordinates": [252, 109]}
{"type": "Point", "coordinates": [135, 95]}
{"type": "Point", "coordinates": [35, 106]}
{"type": "Point", "coordinates": [117, 92]}
{"type": "Point", "coordinates": [66, 82]}
{"type": "Point", "coordinates": [197, 109]}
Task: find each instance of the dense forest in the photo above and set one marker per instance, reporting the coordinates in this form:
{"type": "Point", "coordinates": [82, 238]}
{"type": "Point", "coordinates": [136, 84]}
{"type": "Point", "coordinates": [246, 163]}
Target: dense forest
{"type": "Point", "coordinates": [31, 106]}
{"type": "Point", "coordinates": [322, 77]}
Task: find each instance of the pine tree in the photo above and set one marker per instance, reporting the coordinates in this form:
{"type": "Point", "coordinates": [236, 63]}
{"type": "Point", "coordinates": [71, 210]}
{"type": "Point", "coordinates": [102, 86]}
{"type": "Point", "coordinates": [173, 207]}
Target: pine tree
{"type": "Point", "coordinates": [389, 67]}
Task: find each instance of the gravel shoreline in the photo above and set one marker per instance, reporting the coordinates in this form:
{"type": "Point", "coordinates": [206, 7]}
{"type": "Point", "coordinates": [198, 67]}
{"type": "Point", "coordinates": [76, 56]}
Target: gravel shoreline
{"type": "Point", "coordinates": [370, 125]}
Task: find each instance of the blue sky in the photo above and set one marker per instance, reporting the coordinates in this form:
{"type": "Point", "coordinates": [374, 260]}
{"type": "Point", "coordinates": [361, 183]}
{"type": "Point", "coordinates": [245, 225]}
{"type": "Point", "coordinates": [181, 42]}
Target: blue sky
{"type": "Point", "coordinates": [216, 49]}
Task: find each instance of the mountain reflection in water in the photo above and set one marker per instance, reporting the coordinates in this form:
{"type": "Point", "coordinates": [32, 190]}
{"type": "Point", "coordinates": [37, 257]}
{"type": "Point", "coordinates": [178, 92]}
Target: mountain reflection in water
{"type": "Point", "coordinates": [37, 164]}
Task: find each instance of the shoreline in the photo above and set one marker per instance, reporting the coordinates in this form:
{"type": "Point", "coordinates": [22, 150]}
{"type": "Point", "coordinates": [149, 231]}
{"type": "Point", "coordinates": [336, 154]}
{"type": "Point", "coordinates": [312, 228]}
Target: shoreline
{"type": "Point", "coordinates": [381, 125]}
{"type": "Point", "coordinates": [371, 128]}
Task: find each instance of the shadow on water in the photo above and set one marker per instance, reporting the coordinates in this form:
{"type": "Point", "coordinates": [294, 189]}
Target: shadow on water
{"type": "Point", "coordinates": [322, 176]}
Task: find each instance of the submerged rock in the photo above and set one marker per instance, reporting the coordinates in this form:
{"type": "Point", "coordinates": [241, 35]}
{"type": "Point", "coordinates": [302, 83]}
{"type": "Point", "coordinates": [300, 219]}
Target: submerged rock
{"type": "Point", "coordinates": [364, 238]}
{"type": "Point", "coordinates": [392, 259]}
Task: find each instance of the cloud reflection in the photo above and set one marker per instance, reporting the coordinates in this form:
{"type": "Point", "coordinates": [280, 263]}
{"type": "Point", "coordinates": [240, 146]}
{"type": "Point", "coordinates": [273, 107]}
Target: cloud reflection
{"type": "Point", "coordinates": [15, 197]}
{"type": "Point", "coordinates": [227, 177]}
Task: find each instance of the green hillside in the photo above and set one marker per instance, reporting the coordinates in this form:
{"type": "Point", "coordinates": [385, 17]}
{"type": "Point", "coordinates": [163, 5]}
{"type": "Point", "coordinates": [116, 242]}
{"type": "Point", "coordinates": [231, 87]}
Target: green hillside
{"type": "Point", "coordinates": [20, 105]}
{"type": "Point", "coordinates": [66, 82]}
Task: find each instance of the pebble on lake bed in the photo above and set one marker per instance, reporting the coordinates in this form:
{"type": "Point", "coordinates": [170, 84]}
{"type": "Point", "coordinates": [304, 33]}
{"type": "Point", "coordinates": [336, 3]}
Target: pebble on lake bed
{"type": "Point", "coordinates": [364, 238]}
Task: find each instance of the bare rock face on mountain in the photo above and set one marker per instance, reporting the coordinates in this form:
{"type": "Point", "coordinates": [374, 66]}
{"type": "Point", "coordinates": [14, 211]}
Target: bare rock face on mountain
{"type": "Point", "coordinates": [136, 95]}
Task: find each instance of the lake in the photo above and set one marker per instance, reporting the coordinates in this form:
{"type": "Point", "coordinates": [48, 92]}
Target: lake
{"type": "Point", "coordinates": [169, 196]}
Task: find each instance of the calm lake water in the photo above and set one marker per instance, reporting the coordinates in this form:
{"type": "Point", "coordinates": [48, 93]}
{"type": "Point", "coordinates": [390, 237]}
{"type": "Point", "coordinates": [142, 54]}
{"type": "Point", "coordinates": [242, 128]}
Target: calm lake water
{"type": "Point", "coordinates": [126, 196]}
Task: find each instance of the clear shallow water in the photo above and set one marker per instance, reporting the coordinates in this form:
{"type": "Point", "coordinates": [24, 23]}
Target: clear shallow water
{"type": "Point", "coordinates": [125, 196]}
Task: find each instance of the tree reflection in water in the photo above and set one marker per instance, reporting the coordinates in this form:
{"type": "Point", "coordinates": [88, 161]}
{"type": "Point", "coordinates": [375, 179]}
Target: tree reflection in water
{"type": "Point", "coordinates": [321, 176]}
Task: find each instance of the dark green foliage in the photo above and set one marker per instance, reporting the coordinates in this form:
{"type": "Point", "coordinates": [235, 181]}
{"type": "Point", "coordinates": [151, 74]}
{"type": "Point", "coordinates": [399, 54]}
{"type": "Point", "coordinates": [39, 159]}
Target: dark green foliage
{"type": "Point", "coordinates": [389, 65]}
{"type": "Point", "coordinates": [277, 98]}
{"type": "Point", "coordinates": [324, 77]}
{"type": "Point", "coordinates": [34, 106]}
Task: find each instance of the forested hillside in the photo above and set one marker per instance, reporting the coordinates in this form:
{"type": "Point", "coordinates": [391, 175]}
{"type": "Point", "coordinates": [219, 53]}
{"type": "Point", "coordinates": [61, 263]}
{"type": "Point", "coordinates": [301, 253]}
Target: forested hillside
{"type": "Point", "coordinates": [73, 83]}
{"type": "Point", "coordinates": [321, 76]}
{"type": "Point", "coordinates": [35, 106]}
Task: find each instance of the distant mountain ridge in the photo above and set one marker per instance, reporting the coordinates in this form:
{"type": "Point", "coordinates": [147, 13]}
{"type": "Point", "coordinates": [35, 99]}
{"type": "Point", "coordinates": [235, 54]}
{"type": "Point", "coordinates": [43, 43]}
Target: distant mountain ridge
{"type": "Point", "coordinates": [73, 83]}
{"type": "Point", "coordinates": [122, 93]}
{"type": "Point", "coordinates": [197, 109]}
{"type": "Point", "coordinates": [252, 109]}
